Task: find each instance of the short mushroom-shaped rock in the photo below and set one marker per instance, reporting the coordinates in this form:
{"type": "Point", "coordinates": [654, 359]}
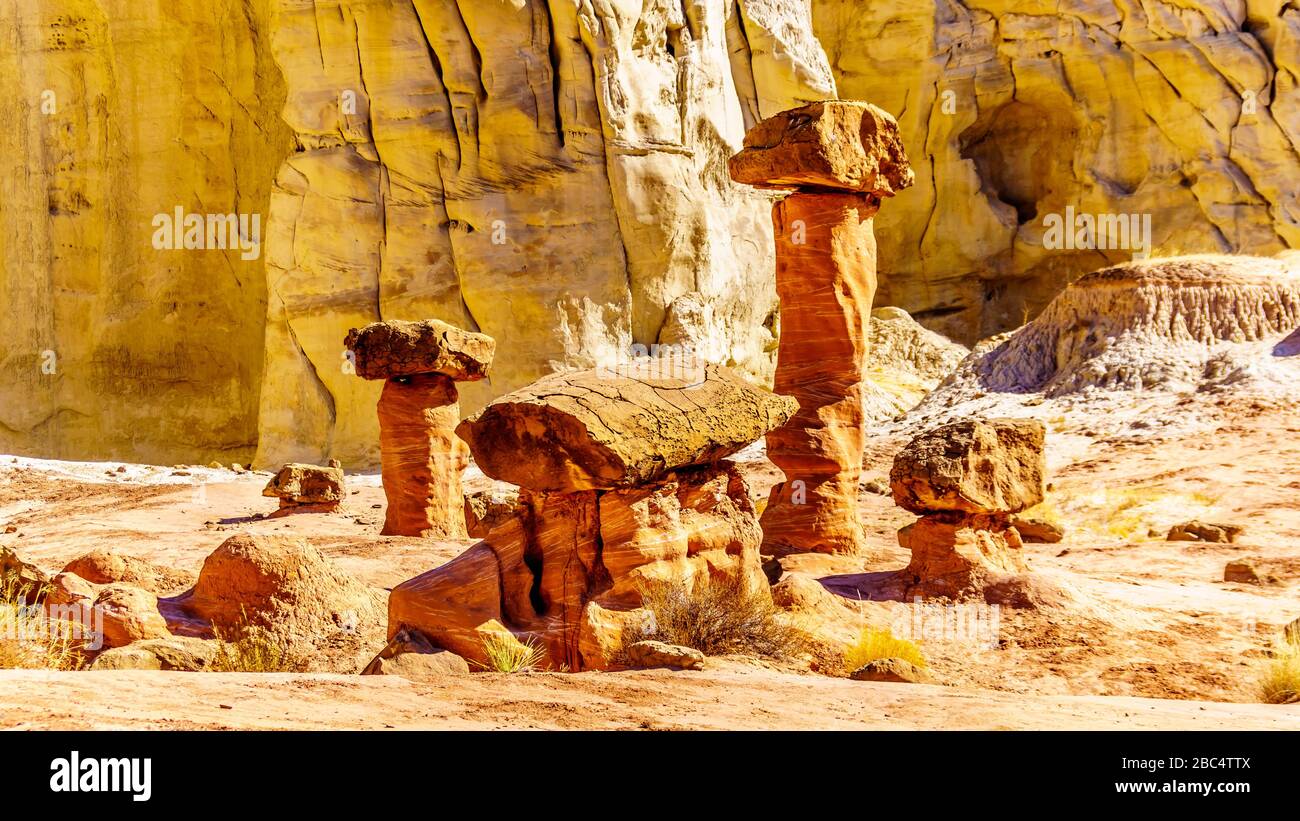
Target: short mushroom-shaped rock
{"type": "Point", "coordinates": [419, 408]}
{"type": "Point", "coordinates": [298, 485]}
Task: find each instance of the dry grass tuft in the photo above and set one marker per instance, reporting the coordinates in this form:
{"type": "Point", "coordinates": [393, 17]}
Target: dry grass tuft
{"type": "Point", "coordinates": [29, 638]}
{"type": "Point", "coordinates": [1279, 681]}
{"type": "Point", "coordinates": [874, 644]}
{"type": "Point", "coordinates": [717, 616]}
{"type": "Point", "coordinates": [507, 654]}
{"type": "Point", "coordinates": [250, 648]}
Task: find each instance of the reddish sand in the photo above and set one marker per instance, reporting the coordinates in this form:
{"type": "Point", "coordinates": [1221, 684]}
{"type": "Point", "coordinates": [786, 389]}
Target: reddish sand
{"type": "Point", "coordinates": [1143, 617]}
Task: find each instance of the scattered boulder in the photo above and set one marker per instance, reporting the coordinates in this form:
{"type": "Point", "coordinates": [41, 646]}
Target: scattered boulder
{"type": "Point", "coordinates": [396, 348]}
{"type": "Point", "coordinates": [1038, 528]}
{"type": "Point", "coordinates": [876, 487]}
{"type": "Point", "coordinates": [281, 584]}
{"type": "Point", "coordinates": [104, 566]}
{"type": "Point", "coordinates": [300, 486]}
{"type": "Point", "coordinates": [1195, 531]}
{"type": "Point", "coordinates": [412, 656]}
{"type": "Point", "coordinates": [599, 430]}
{"type": "Point", "coordinates": [801, 593]}
{"type": "Point", "coordinates": [28, 579]}
{"type": "Point", "coordinates": [419, 409]}
{"type": "Point", "coordinates": [1292, 632]}
{"type": "Point", "coordinates": [487, 509]}
{"type": "Point", "coordinates": [420, 666]}
{"type": "Point", "coordinates": [828, 619]}
{"type": "Point", "coordinates": [895, 670]}
{"type": "Point", "coordinates": [972, 466]}
{"type": "Point", "coordinates": [70, 589]}
{"type": "Point", "coordinates": [1241, 571]}
{"type": "Point", "coordinates": [659, 654]}
{"type": "Point", "coordinates": [180, 653]}
{"type": "Point", "coordinates": [129, 614]}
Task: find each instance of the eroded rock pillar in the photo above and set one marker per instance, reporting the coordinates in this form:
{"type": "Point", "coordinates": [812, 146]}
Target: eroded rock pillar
{"type": "Point", "coordinates": [423, 458]}
{"type": "Point", "coordinates": [826, 280]}
{"type": "Point", "coordinates": [839, 159]}
{"type": "Point", "coordinates": [966, 479]}
{"type": "Point", "coordinates": [624, 483]}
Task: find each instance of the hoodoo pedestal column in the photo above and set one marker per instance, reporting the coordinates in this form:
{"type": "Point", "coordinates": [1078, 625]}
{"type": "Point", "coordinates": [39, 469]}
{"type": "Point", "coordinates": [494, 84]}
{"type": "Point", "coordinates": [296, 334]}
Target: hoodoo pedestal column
{"type": "Point", "coordinates": [419, 410]}
{"type": "Point", "coordinates": [839, 159]}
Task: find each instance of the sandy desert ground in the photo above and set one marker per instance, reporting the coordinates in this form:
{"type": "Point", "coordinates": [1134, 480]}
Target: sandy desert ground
{"type": "Point", "coordinates": [1133, 631]}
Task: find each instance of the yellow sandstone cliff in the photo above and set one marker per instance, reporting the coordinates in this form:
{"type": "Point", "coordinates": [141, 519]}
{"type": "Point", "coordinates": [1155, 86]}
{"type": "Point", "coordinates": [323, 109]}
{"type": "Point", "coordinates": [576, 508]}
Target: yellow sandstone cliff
{"type": "Point", "coordinates": [1013, 110]}
{"type": "Point", "coordinates": [552, 173]}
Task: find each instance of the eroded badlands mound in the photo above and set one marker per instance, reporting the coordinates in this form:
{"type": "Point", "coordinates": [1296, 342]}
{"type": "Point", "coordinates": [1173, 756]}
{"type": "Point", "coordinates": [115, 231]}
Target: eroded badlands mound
{"type": "Point", "coordinates": [1153, 333]}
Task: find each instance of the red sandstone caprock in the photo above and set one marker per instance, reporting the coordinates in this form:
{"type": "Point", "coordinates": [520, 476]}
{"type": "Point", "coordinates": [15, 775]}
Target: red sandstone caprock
{"type": "Point", "coordinates": [418, 412]}
{"type": "Point", "coordinates": [840, 158]}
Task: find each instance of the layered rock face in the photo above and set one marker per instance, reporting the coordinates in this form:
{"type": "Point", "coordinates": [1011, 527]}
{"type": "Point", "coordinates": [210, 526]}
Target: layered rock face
{"type": "Point", "coordinates": [116, 112]}
{"type": "Point", "coordinates": [965, 479]}
{"type": "Point", "coordinates": [549, 173]}
{"type": "Point", "coordinates": [1186, 111]}
{"type": "Point", "coordinates": [444, 159]}
{"type": "Point", "coordinates": [838, 160]}
{"type": "Point", "coordinates": [623, 485]}
{"type": "Point", "coordinates": [906, 362]}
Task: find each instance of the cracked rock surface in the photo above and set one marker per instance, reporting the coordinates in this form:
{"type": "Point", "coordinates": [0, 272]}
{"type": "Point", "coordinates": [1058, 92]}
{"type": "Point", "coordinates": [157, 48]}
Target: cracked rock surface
{"type": "Point", "coordinates": [603, 429]}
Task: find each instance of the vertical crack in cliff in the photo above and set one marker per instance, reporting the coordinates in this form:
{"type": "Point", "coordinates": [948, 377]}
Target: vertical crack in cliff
{"type": "Point", "coordinates": [739, 51]}
{"type": "Point", "coordinates": [321, 387]}
{"type": "Point", "coordinates": [439, 73]}
{"type": "Point", "coordinates": [451, 252]}
{"type": "Point", "coordinates": [556, 61]}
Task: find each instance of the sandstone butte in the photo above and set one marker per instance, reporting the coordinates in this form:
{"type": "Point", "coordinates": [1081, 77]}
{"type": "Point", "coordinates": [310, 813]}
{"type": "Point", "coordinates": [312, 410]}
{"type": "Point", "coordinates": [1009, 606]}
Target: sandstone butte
{"type": "Point", "coordinates": [838, 160]}
{"type": "Point", "coordinates": [419, 408]}
{"type": "Point", "coordinates": [623, 484]}
{"type": "Point", "coordinates": [442, 159]}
